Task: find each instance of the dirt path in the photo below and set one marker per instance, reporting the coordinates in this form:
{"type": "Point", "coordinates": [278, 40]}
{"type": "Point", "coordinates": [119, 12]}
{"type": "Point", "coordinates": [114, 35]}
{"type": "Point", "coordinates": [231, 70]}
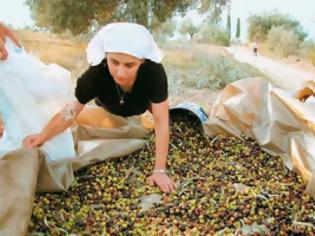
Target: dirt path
{"type": "Point", "coordinates": [283, 75]}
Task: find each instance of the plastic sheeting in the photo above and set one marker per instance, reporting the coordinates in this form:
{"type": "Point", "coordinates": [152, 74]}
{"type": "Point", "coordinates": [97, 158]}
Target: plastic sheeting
{"type": "Point", "coordinates": [279, 120]}
{"type": "Point", "coordinates": [31, 92]}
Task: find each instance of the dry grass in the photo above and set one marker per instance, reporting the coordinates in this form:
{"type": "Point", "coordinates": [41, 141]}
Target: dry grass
{"type": "Point", "coordinates": [300, 63]}
{"type": "Point", "coordinates": [178, 58]}
{"type": "Point", "coordinates": [51, 48]}
{"type": "Point", "coordinates": [182, 61]}
{"type": "Point", "coordinates": [182, 54]}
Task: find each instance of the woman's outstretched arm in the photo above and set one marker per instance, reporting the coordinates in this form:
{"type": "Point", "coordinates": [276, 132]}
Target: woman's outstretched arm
{"type": "Point", "coordinates": [159, 176]}
{"type": "Point", "coordinates": [60, 122]}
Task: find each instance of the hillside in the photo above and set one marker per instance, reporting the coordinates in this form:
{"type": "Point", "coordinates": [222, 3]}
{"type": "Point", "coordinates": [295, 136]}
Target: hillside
{"type": "Point", "coordinates": [196, 72]}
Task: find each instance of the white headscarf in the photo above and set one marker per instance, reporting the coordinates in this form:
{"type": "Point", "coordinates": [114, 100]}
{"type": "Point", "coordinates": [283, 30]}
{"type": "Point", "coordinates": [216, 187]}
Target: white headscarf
{"type": "Point", "coordinates": [129, 38]}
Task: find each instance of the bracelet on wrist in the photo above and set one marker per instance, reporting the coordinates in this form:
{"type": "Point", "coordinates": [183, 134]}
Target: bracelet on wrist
{"type": "Point", "coordinates": [159, 171]}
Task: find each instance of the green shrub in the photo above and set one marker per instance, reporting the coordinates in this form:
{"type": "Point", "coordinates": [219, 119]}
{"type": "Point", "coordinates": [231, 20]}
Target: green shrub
{"type": "Point", "coordinates": [260, 25]}
{"type": "Point", "coordinates": [282, 41]}
{"type": "Point", "coordinates": [215, 72]}
{"type": "Point", "coordinates": [307, 50]}
{"type": "Point", "coordinates": [207, 71]}
{"type": "Point", "coordinates": [312, 57]}
{"type": "Point", "coordinates": [214, 34]}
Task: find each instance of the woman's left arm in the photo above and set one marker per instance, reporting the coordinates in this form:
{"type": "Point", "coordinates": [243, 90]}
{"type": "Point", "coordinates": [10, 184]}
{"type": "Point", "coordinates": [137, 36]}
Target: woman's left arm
{"type": "Point", "coordinates": [159, 176]}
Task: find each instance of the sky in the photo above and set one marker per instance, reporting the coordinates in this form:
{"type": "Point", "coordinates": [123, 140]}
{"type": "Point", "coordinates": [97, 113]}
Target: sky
{"type": "Point", "coordinates": [14, 12]}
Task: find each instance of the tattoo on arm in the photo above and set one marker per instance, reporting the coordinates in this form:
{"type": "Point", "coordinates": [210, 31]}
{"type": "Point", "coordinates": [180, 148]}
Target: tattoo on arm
{"type": "Point", "coordinates": [70, 110]}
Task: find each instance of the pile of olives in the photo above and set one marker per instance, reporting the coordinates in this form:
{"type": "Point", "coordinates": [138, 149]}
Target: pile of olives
{"type": "Point", "coordinates": [225, 186]}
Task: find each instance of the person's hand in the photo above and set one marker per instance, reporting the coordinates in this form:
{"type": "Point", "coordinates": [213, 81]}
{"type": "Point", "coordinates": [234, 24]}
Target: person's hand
{"type": "Point", "coordinates": [32, 141]}
{"type": "Point", "coordinates": [5, 32]}
{"type": "Point", "coordinates": [1, 129]}
{"type": "Point", "coordinates": [162, 181]}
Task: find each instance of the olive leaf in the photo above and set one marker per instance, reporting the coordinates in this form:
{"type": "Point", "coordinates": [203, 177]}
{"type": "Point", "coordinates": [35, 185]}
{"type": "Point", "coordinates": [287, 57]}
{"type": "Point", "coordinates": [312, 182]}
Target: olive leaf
{"type": "Point", "coordinates": [254, 228]}
{"type": "Point", "coordinates": [148, 201]}
{"type": "Point", "coordinates": [240, 187]}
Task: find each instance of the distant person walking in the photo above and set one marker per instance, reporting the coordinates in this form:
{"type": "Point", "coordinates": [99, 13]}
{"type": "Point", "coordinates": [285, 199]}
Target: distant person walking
{"type": "Point", "coordinates": [255, 48]}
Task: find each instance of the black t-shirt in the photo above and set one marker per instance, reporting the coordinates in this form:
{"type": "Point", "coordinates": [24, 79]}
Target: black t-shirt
{"type": "Point", "coordinates": [97, 83]}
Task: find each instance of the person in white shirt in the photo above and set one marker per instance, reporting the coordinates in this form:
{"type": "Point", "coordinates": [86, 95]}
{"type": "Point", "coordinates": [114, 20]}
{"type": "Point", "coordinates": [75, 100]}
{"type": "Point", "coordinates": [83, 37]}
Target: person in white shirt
{"type": "Point", "coordinates": [255, 48]}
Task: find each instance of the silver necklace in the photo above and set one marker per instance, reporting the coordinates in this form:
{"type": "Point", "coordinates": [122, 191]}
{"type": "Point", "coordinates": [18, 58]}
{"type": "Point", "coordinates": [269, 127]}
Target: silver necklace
{"type": "Point", "coordinates": [121, 96]}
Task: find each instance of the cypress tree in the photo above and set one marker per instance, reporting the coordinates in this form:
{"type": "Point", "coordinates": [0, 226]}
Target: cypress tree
{"type": "Point", "coordinates": [238, 28]}
{"type": "Point", "coordinates": [228, 25]}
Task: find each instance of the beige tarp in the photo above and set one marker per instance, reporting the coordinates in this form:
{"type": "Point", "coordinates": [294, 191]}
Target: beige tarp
{"type": "Point", "coordinates": [22, 172]}
{"type": "Point", "coordinates": [282, 124]}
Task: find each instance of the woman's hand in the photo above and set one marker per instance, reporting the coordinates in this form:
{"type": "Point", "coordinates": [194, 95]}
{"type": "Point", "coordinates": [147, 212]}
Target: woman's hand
{"type": "Point", "coordinates": [5, 32]}
{"type": "Point", "coordinates": [1, 129]}
{"type": "Point", "coordinates": [33, 141]}
{"type": "Point", "coordinates": [162, 181]}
